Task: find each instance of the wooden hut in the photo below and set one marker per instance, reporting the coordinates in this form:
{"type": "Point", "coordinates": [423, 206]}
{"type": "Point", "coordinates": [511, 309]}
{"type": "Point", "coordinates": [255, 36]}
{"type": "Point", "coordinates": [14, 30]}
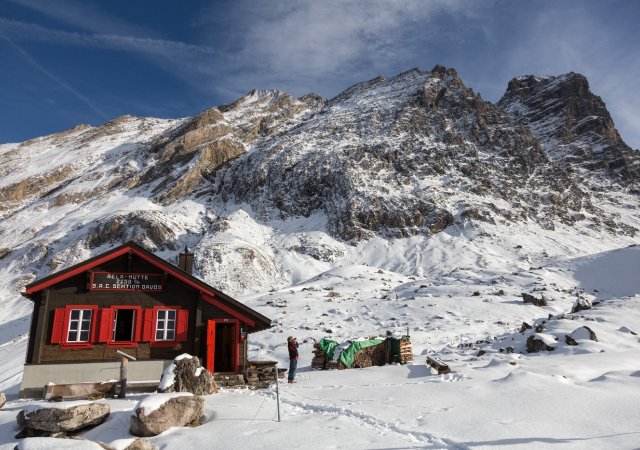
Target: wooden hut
{"type": "Point", "coordinates": [131, 300]}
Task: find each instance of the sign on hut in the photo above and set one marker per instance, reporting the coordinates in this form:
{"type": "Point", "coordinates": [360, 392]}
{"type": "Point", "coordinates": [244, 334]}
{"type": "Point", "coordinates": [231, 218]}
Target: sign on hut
{"type": "Point", "coordinates": [362, 352]}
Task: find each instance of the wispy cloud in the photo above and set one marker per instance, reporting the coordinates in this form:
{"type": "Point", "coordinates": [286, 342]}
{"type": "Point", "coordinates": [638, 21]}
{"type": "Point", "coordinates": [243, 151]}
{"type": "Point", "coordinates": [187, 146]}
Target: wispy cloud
{"type": "Point", "coordinates": [35, 64]}
{"type": "Point", "coordinates": [84, 15]}
{"type": "Point", "coordinates": [299, 47]}
{"type": "Point", "coordinates": [25, 31]}
{"type": "Point", "coordinates": [313, 44]}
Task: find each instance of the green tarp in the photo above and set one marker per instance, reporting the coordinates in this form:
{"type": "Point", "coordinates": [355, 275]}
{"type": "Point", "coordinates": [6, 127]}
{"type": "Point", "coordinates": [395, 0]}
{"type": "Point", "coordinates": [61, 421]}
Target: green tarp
{"type": "Point", "coordinates": [347, 355]}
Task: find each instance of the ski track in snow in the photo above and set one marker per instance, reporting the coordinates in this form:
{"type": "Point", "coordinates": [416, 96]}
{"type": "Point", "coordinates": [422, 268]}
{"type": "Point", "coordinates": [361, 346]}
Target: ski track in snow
{"type": "Point", "coordinates": [378, 425]}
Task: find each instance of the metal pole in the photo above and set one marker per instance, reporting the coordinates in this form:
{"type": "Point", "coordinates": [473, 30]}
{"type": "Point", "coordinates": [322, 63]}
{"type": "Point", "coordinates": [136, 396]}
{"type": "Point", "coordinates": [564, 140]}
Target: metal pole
{"type": "Point", "coordinates": [277, 393]}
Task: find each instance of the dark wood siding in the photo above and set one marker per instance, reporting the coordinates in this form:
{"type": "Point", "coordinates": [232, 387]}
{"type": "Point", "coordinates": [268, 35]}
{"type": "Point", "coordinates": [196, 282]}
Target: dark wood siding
{"type": "Point", "coordinates": [74, 291]}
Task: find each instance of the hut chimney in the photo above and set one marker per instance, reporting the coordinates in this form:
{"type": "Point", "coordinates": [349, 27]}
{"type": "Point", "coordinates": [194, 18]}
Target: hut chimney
{"type": "Point", "coordinates": [185, 261]}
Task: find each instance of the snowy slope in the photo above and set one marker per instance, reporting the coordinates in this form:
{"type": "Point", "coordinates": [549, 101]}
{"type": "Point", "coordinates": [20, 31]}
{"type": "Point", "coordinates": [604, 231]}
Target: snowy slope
{"type": "Point", "coordinates": [575, 397]}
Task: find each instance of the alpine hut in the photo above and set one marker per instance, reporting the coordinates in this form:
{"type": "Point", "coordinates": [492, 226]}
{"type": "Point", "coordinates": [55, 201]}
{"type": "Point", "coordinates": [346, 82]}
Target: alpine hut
{"type": "Point", "coordinates": [130, 300]}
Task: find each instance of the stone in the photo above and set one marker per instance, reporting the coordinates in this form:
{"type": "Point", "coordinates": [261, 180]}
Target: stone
{"type": "Point", "coordinates": [525, 326]}
{"type": "Point", "coordinates": [3, 399]}
{"type": "Point", "coordinates": [528, 298]}
{"type": "Point", "coordinates": [141, 444]}
{"type": "Point", "coordinates": [584, 333]}
{"type": "Point", "coordinates": [542, 326]}
{"type": "Point", "coordinates": [62, 443]}
{"type": "Point", "coordinates": [569, 340]}
{"type": "Point", "coordinates": [582, 304]}
{"type": "Point", "coordinates": [60, 418]}
{"type": "Point", "coordinates": [539, 342]}
{"type": "Point", "coordinates": [188, 376]}
{"type": "Point", "coordinates": [180, 411]}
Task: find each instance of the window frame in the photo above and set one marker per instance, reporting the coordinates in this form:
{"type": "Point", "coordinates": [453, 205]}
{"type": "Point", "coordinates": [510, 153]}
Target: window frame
{"type": "Point", "coordinates": [165, 329]}
{"type": "Point", "coordinates": [79, 328]}
{"type": "Point", "coordinates": [136, 332]}
{"type": "Point", "coordinates": [65, 343]}
{"type": "Point", "coordinates": [177, 341]}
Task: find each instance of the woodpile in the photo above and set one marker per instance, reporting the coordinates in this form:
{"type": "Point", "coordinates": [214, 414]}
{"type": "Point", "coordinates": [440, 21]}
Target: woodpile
{"type": "Point", "coordinates": [320, 358]}
{"type": "Point", "coordinates": [228, 381]}
{"type": "Point", "coordinates": [371, 356]}
{"type": "Point", "coordinates": [261, 374]}
{"type": "Point", "coordinates": [392, 350]}
{"type": "Point", "coordinates": [406, 352]}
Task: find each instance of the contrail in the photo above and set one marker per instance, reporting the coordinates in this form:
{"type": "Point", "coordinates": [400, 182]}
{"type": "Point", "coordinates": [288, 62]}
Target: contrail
{"type": "Point", "coordinates": [54, 78]}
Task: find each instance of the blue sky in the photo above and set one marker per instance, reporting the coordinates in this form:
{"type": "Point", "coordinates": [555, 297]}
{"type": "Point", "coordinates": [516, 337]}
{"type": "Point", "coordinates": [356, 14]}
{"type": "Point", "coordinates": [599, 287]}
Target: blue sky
{"type": "Point", "coordinates": [67, 62]}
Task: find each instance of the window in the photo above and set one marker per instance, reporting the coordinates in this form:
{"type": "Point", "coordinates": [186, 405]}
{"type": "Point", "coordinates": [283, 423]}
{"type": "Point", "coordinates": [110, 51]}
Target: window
{"type": "Point", "coordinates": [79, 325]}
{"type": "Point", "coordinates": [75, 326]}
{"type": "Point", "coordinates": [166, 325]}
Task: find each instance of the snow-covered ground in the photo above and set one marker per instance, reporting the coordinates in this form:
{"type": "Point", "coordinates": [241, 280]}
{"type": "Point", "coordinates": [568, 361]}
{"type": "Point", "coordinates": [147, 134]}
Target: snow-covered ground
{"type": "Point", "coordinates": [457, 293]}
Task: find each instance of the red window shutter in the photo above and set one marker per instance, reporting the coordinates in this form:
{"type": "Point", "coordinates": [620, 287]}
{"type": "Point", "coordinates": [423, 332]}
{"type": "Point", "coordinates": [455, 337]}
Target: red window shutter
{"type": "Point", "coordinates": [148, 325]}
{"type": "Point", "coordinates": [182, 325]}
{"type": "Point", "coordinates": [57, 334]}
{"type": "Point", "coordinates": [95, 325]}
{"type": "Point", "coordinates": [138, 330]}
{"type": "Point", "coordinates": [106, 325]}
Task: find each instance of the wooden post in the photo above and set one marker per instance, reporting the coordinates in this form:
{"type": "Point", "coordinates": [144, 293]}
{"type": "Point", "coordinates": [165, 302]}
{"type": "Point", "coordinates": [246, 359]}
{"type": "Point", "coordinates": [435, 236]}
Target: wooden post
{"type": "Point", "coordinates": [124, 366]}
{"type": "Point", "coordinates": [42, 322]}
{"type": "Point", "coordinates": [277, 391]}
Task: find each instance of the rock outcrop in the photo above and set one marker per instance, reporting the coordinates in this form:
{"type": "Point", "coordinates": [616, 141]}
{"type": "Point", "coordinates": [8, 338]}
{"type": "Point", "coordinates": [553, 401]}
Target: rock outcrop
{"type": "Point", "coordinates": [574, 129]}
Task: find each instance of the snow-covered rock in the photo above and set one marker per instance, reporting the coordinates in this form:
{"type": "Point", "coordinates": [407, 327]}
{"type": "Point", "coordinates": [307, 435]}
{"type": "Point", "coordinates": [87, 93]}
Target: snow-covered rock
{"type": "Point", "coordinates": [185, 374]}
{"type": "Point", "coordinates": [62, 416]}
{"type": "Point", "coordinates": [159, 412]}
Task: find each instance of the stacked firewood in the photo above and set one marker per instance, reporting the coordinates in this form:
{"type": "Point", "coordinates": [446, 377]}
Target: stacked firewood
{"type": "Point", "coordinates": [261, 374]}
{"type": "Point", "coordinates": [375, 355]}
{"type": "Point", "coordinates": [406, 353]}
{"type": "Point", "coordinates": [320, 358]}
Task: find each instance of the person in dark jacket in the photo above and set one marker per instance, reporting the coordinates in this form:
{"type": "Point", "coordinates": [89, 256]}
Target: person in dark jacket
{"type": "Point", "coordinates": [292, 345]}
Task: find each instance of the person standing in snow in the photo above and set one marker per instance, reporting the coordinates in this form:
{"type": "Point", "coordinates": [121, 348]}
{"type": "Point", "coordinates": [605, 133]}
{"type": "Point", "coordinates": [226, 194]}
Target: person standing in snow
{"type": "Point", "coordinates": [292, 345]}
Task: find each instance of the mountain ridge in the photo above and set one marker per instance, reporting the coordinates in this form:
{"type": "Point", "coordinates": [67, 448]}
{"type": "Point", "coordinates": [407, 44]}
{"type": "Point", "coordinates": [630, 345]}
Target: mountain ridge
{"type": "Point", "coordinates": [391, 158]}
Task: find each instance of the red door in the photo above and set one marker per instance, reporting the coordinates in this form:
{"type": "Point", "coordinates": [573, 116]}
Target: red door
{"type": "Point", "coordinates": [211, 343]}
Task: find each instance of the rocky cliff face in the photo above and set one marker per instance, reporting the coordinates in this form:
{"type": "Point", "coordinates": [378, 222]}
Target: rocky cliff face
{"type": "Point", "coordinates": [574, 128]}
{"type": "Point", "coordinates": [406, 156]}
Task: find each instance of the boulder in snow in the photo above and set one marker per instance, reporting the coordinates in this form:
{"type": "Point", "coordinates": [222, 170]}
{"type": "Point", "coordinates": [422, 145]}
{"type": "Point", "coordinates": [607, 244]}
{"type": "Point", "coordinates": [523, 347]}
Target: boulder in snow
{"type": "Point", "coordinates": [3, 399]}
{"type": "Point", "coordinates": [584, 333]}
{"type": "Point", "coordinates": [569, 340]}
{"type": "Point", "coordinates": [524, 327]}
{"type": "Point", "coordinates": [141, 444]}
{"type": "Point", "coordinates": [50, 443]}
{"type": "Point", "coordinates": [582, 304]}
{"type": "Point", "coordinates": [159, 412]}
{"type": "Point", "coordinates": [540, 341]}
{"type": "Point", "coordinates": [186, 374]}
{"type": "Point", "coordinates": [528, 298]}
{"type": "Point", "coordinates": [62, 417]}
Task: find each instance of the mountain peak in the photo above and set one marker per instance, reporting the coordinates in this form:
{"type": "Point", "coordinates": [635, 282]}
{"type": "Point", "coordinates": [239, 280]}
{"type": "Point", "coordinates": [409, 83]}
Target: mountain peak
{"type": "Point", "coordinates": [567, 118]}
